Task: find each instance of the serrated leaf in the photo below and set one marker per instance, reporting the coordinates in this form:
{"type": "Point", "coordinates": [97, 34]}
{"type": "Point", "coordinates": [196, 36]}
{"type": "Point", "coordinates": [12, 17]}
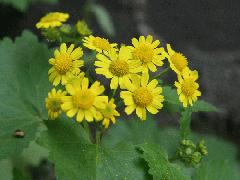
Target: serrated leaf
{"type": "Point", "coordinates": [104, 19]}
{"type": "Point", "coordinates": [22, 5]}
{"type": "Point", "coordinates": [75, 157]}
{"type": "Point", "coordinates": [159, 165]}
{"type": "Point", "coordinates": [24, 87]}
{"type": "Point", "coordinates": [218, 169]}
{"type": "Point", "coordinates": [185, 123]}
{"type": "Point", "coordinates": [172, 102]}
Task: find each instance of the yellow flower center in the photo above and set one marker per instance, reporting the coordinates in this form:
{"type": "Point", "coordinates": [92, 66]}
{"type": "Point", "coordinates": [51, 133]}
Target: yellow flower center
{"type": "Point", "coordinates": [119, 68]}
{"type": "Point", "coordinates": [63, 63]}
{"type": "Point", "coordinates": [54, 104]}
{"type": "Point", "coordinates": [51, 17]}
{"type": "Point", "coordinates": [143, 97]}
{"type": "Point", "coordinates": [84, 99]}
{"type": "Point", "coordinates": [108, 111]}
{"type": "Point", "coordinates": [101, 43]}
{"type": "Point", "coordinates": [188, 87]}
{"type": "Point", "coordinates": [144, 52]}
{"type": "Point", "coordinates": [179, 61]}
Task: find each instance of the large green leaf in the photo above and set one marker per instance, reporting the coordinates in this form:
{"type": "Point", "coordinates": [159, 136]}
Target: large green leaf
{"type": "Point", "coordinates": [22, 5]}
{"type": "Point", "coordinates": [159, 165]}
{"type": "Point", "coordinates": [75, 157]}
{"type": "Point", "coordinates": [24, 87]}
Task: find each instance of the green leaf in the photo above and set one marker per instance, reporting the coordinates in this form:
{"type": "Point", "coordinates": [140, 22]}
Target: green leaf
{"type": "Point", "coordinates": [185, 123]}
{"type": "Point", "coordinates": [218, 169]}
{"type": "Point", "coordinates": [22, 5]}
{"type": "Point", "coordinates": [76, 157]}
{"type": "Point", "coordinates": [171, 102]}
{"type": "Point", "coordinates": [24, 87]}
{"type": "Point", "coordinates": [103, 18]}
{"type": "Point", "coordinates": [159, 165]}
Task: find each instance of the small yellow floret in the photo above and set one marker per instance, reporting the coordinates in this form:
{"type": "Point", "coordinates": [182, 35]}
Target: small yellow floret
{"type": "Point", "coordinates": [143, 97]}
{"type": "Point", "coordinates": [119, 68]}
{"type": "Point", "coordinates": [84, 99]}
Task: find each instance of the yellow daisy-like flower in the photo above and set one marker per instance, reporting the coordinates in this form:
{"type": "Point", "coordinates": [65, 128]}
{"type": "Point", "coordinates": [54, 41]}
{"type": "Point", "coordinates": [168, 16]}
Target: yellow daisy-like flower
{"type": "Point", "coordinates": [176, 60]}
{"type": "Point", "coordinates": [147, 53]}
{"type": "Point", "coordinates": [53, 103]}
{"type": "Point", "coordinates": [187, 87]}
{"type": "Point", "coordinates": [142, 97]}
{"type": "Point", "coordinates": [117, 66]}
{"type": "Point", "coordinates": [52, 19]}
{"type": "Point", "coordinates": [84, 101]}
{"type": "Point", "coordinates": [64, 64]}
{"type": "Point", "coordinates": [83, 29]}
{"type": "Point", "coordinates": [108, 113]}
{"type": "Point", "coordinates": [97, 43]}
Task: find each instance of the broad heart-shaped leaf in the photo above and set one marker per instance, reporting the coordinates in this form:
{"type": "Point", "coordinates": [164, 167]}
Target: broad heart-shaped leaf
{"type": "Point", "coordinates": [218, 169]}
{"type": "Point", "coordinates": [159, 165]}
{"type": "Point", "coordinates": [24, 86]}
{"type": "Point", "coordinates": [171, 102]}
{"type": "Point", "coordinates": [23, 4]}
{"type": "Point", "coordinates": [75, 157]}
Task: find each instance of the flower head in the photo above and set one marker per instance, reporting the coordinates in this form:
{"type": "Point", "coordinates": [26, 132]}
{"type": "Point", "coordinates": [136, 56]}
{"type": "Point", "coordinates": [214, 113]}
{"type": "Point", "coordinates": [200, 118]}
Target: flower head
{"type": "Point", "coordinates": [97, 43]}
{"type": "Point", "coordinates": [53, 102]}
{"type": "Point", "coordinates": [142, 97]}
{"type": "Point", "coordinates": [108, 113]}
{"type": "Point", "coordinates": [84, 101]}
{"type": "Point", "coordinates": [177, 61]}
{"type": "Point", "coordinates": [64, 64]}
{"type": "Point", "coordinates": [147, 53]}
{"type": "Point", "coordinates": [118, 67]}
{"type": "Point", "coordinates": [83, 29]}
{"type": "Point", "coordinates": [52, 19]}
{"type": "Point", "coordinates": [187, 87]}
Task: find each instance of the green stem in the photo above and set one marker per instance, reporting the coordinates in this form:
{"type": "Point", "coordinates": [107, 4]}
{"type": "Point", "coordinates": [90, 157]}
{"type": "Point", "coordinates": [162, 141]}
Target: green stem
{"type": "Point", "coordinates": [150, 75]}
{"type": "Point", "coordinates": [86, 127]}
{"type": "Point", "coordinates": [166, 70]}
{"type": "Point", "coordinates": [89, 68]}
{"type": "Point", "coordinates": [98, 138]}
{"type": "Point", "coordinates": [112, 93]}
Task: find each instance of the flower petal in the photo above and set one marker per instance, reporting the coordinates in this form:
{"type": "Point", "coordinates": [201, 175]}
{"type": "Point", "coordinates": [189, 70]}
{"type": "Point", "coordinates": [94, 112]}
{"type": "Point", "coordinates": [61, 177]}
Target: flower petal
{"type": "Point", "coordinates": [72, 112]}
{"type": "Point", "coordinates": [80, 115]}
{"type": "Point", "coordinates": [114, 82]}
{"type": "Point", "coordinates": [130, 109]}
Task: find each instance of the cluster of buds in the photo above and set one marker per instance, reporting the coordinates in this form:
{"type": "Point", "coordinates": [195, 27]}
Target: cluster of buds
{"type": "Point", "coordinates": [189, 153]}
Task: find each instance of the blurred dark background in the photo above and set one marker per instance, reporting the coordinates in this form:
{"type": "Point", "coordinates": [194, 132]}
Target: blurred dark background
{"type": "Point", "coordinates": [206, 32]}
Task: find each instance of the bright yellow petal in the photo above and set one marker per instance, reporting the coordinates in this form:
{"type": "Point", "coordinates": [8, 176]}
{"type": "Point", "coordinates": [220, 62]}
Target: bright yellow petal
{"type": "Point", "coordinates": [156, 91]}
{"type": "Point", "coordinates": [70, 49]}
{"type": "Point", "coordinates": [152, 67]}
{"type": "Point", "coordinates": [130, 109]}
{"type": "Point", "coordinates": [152, 109]}
{"type": "Point", "coordinates": [139, 112]}
{"type": "Point", "coordinates": [127, 84]}
{"type": "Point", "coordinates": [144, 113]}
{"type": "Point", "coordinates": [141, 40]}
{"type": "Point", "coordinates": [114, 82]}
{"type": "Point", "coordinates": [85, 83]}
{"type": "Point", "coordinates": [57, 80]}
{"type": "Point", "coordinates": [77, 53]}
{"type": "Point", "coordinates": [149, 39]}
{"type": "Point", "coordinates": [144, 79]}
{"type": "Point", "coordinates": [80, 115]}
{"type": "Point", "coordinates": [135, 42]}
{"type": "Point", "coordinates": [56, 53]}
{"type": "Point", "coordinates": [101, 64]}
{"type": "Point", "coordinates": [72, 112]}
{"type": "Point", "coordinates": [158, 62]}
{"type": "Point", "coordinates": [88, 115]}
{"type": "Point", "coordinates": [63, 48]}
{"type": "Point", "coordinates": [70, 89]}
{"type": "Point", "coordinates": [170, 51]}
{"type": "Point", "coordinates": [152, 84]}
{"type": "Point", "coordinates": [155, 43]}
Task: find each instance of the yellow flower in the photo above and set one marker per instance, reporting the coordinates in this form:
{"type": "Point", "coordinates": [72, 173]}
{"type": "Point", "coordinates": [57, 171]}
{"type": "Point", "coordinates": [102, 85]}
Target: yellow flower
{"type": "Point", "coordinates": [187, 87]}
{"type": "Point", "coordinates": [108, 113]}
{"type": "Point", "coordinates": [53, 103]}
{"type": "Point", "coordinates": [84, 101]}
{"type": "Point", "coordinates": [117, 66]}
{"type": "Point", "coordinates": [142, 97]}
{"type": "Point", "coordinates": [83, 29]}
{"type": "Point", "coordinates": [147, 53]}
{"type": "Point", "coordinates": [177, 61]}
{"type": "Point", "coordinates": [97, 43]}
{"type": "Point", "coordinates": [52, 19]}
{"type": "Point", "coordinates": [64, 64]}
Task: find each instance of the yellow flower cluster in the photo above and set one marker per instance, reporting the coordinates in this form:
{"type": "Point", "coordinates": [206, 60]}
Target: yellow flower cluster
{"type": "Point", "coordinates": [128, 68]}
